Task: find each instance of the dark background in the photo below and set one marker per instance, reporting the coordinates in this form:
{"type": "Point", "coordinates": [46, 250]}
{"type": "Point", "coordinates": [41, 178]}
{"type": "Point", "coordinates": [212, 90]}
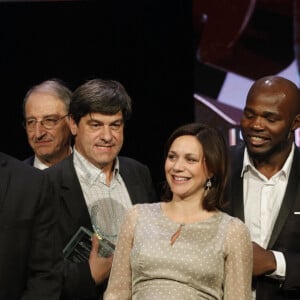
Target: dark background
{"type": "Point", "coordinates": [146, 45]}
{"type": "Point", "coordinates": [161, 51]}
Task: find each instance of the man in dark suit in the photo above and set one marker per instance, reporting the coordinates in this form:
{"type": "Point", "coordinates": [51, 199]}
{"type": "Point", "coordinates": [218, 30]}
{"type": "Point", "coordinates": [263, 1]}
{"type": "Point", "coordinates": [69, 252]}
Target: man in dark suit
{"type": "Point", "coordinates": [264, 189]}
{"type": "Point", "coordinates": [95, 185]}
{"type": "Point", "coordinates": [30, 264]}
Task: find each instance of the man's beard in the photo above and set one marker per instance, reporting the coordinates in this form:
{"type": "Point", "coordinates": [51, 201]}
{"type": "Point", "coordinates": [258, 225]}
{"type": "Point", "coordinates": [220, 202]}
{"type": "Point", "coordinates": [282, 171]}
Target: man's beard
{"type": "Point", "coordinates": [276, 149]}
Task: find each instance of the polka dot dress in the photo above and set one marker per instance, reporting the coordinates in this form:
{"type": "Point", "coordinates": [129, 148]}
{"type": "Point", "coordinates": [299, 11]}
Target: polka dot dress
{"type": "Point", "coordinates": [211, 259]}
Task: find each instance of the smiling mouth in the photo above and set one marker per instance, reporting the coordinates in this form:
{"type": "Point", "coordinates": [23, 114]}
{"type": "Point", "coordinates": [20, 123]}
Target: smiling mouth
{"type": "Point", "coordinates": [257, 140]}
{"type": "Point", "coordinates": [181, 179]}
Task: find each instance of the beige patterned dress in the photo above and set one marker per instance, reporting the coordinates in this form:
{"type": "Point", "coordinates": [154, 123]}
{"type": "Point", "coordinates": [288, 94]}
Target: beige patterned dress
{"type": "Point", "coordinates": [211, 259]}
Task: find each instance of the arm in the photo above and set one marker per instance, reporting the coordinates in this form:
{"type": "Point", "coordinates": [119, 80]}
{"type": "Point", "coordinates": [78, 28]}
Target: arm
{"type": "Point", "coordinates": [100, 266]}
{"type": "Point", "coordinates": [238, 262]}
{"type": "Point", "coordinates": [45, 277]}
{"type": "Point", "coordinates": [87, 279]}
{"type": "Point", "coordinates": [80, 280]}
{"type": "Point", "coordinates": [119, 284]}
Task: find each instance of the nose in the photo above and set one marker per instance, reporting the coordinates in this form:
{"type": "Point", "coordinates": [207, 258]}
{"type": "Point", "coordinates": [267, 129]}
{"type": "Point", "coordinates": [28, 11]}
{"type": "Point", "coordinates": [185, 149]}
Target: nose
{"type": "Point", "coordinates": [106, 133]}
{"type": "Point", "coordinates": [39, 130]}
{"type": "Point", "coordinates": [178, 165]}
{"type": "Point", "coordinates": [257, 124]}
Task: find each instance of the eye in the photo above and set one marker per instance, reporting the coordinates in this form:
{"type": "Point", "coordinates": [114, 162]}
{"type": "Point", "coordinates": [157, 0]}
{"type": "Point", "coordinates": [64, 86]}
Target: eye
{"type": "Point", "coordinates": [115, 126]}
{"type": "Point", "coordinates": [30, 122]}
{"type": "Point", "coordinates": [94, 124]}
{"type": "Point", "coordinates": [50, 121]}
{"type": "Point", "coordinates": [272, 118]}
{"type": "Point", "coordinates": [192, 160]}
{"type": "Point", "coordinates": [248, 115]}
{"type": "Point", "coordinates": [171, 156]}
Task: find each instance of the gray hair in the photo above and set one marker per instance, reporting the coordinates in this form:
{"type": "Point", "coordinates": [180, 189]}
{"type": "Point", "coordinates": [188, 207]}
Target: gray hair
{"type": "Point", "coordinates": [55, 87]}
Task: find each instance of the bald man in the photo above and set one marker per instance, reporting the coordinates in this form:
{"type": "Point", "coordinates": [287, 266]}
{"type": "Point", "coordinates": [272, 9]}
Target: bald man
{"type": "Point", "coordinates": [264, 186]}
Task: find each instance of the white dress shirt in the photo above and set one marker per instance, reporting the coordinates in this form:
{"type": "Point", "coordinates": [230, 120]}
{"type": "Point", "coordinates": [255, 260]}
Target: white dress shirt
{"type": "Point", "coordinates": [262, 201]}
{"type": "Point", "coordinates": [38, 164]}
{"type": "Point", "coordinates": [107, 204]}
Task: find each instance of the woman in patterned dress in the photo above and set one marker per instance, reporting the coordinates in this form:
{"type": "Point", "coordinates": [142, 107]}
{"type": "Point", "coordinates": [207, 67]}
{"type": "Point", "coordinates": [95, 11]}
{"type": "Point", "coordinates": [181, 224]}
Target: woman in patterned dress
{"type": "Point", "coordinates": [185, 247]}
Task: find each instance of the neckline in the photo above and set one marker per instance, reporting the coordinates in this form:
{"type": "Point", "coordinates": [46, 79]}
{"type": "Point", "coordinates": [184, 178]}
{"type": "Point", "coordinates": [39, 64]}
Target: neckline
{"type": "Point", "coordinates": [208, 219]}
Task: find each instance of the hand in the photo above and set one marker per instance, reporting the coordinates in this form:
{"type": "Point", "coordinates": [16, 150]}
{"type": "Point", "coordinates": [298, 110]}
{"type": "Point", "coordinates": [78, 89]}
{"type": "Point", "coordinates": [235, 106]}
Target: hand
{"type": "Point", "coordinates": [263, 261]}
{"type": "Point", "coordinates": [100, 266]}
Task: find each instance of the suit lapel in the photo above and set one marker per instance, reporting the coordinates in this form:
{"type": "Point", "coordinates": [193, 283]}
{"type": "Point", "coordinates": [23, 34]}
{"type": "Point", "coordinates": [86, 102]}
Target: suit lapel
{"type": "Point", "coordinates": [128, 179]}
{"type": "Point", "coordinates": [72, 196]}
{"type": "Point", "coordinates": [237, 196]}
{"type": "Point", "coordinates": [236, 183]}
{"type": "Point", "coordinates": [291, 194]}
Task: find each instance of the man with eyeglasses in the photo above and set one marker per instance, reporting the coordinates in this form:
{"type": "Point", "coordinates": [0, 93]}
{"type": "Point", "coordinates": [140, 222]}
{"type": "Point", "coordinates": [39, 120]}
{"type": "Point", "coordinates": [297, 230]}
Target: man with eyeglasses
{"type": "Point", "coordinates": [45, 109]}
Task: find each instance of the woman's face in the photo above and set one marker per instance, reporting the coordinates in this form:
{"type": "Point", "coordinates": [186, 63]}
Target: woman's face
{"type": "Point", "coordinates": [185, 167]}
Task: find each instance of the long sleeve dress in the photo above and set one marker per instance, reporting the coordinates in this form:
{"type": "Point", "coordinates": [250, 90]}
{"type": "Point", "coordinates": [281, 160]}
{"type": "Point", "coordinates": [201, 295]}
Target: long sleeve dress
{"type": "Point", "coordinates": [211, 259]}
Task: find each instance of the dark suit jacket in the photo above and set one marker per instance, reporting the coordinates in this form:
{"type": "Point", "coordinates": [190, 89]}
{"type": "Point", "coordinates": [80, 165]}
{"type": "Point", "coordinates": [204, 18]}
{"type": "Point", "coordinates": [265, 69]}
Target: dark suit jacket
{"type": "Point", "coordinates": [29, 160]}
{"type": "Point", "coordinates": [29, 260]}
{"type": "Point", "coordinates": [286, 232]}
{"type": "Point", "coordinates": [73, 213]}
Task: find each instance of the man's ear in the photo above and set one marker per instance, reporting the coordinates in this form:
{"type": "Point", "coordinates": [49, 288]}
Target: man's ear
{"type": "Point", "coordinates": [296, 123]}
{"type": "Point", "coordinates": [73, 126]}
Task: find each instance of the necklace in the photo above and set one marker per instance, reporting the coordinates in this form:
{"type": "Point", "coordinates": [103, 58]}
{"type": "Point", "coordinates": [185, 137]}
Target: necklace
{"type": "Point", "coordinates": [175, 236]}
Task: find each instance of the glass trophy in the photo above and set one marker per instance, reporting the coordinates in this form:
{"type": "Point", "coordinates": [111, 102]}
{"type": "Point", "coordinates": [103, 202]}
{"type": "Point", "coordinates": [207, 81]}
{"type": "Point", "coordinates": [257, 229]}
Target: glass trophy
{"type": "Point", "coordinates": [106, 242]}
{"type": "Point", "coordinates": [106, 247]}
{"type": "Point", "coordinates": [79, 247]}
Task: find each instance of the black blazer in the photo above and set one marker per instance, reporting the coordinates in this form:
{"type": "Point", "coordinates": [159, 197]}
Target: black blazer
{"type": "Point", "coordinates": [29, 160]}
{"type": "Point", "coordinates": [285, 236]}
{"type": "Point", "coordinates": [73, 213]}
{"type": "Point", "coordinates": [29, 260]}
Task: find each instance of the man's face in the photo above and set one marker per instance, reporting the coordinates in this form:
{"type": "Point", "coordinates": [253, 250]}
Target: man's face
{"type": "Point", "coordinates": [99, 138]}
{"type": "Point", "coordinates": [267, 122]}
{"type": "Point", "coordinates": [50, 145]}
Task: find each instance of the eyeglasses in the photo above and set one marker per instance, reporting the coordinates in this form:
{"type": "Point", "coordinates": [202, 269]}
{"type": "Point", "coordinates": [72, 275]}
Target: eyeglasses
{"type": "Point", "coordinates": [47, 122]}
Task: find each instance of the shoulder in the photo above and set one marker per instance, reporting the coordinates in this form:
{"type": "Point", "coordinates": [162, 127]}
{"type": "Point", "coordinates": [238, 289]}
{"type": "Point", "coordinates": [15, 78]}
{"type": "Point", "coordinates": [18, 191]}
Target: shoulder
{"type": "Point", "coordinates": [297, 152]}
{"type": "Point", "coordinates": [146, 206]}
{"type": "Point", "coordinates": [59, 167]}
{"type": "Point", "coordinates": [12, 162]}
{"type": "Point", "coordinates": [295, 169]}
{"type": "Point", "coordinates": [131, 167]}
{"type": "Point", "coordinates": [236, 149]}
{"type": "Point", "coordinates": [29, 160]}
{"type": "Point", "coordinates": [18, 169]}
{"type": "Point", "coordinates": [236, 156]}
{"type": "Point", "coordinates": [127, 161]}
{"type": "Point", "coordinates": [147, 210]}
{"type": "Point", "coordinates": [5, 159]}
{"type": "Point", "coordinates": [235, 225]}
{"type": "Point", "coordinates": [237, 237]}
